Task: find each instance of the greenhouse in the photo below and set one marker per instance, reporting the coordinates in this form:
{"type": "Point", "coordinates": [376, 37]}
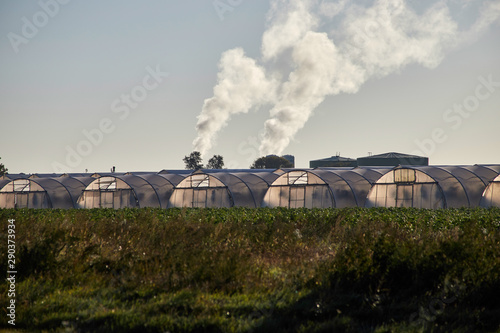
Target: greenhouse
{"type": "Point", "coordinates": [322, 187]}
{"type": "Point", "coordinates": [491, 195]}
{"type": "Point", "coordinates": [12, 176]}
{"type": "Point", "coordinates": [128, 191]}
{"type": "Point", "coordinates": [367, 186]}
{"type": "Point", "coordinates": [57, 192]}
{"type": "Point", "coordinates": [222, 189]}
{"type": "Point", "coordinates": [164, 185]}
{"type": "Point", "coordinates": [432, 187]}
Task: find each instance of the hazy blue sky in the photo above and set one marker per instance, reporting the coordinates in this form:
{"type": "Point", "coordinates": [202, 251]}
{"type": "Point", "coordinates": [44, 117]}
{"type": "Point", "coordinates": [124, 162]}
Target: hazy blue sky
{"type": "Point", "coordinates": [67, 68]}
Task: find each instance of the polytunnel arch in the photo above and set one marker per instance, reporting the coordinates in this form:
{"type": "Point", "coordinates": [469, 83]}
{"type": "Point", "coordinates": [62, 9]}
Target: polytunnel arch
{"type": "Point", "coordinates": [491, 194]}
{"type": "Point", "coordinates": [431, 187]}
{"type": "Point", "coordinates": [123, 191]}
{"type": "Point", "coordinates": [12, 176]}
{"type": "Point", "coordinates": [207, 189]}
{"type": "Point", "coordinates": [299, 188]}
{"type": "Point", "coordinates": [321, 188]}
{"type": "Point", "coordinates": [42, 192]}
{"type": "Point", "coordinates": [24, 193]}
{"type": "Point", "coordinates": [163, 185]}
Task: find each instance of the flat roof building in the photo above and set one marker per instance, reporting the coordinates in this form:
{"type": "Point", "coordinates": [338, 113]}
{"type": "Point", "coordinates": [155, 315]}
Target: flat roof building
{"type": "Point", "coordinates": [334, 161]}
{"type": "Point", "coordinates": [392, 159]}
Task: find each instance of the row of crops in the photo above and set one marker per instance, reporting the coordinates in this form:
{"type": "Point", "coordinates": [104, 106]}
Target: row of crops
{"type": "Point", "coordinates": [260, 270]}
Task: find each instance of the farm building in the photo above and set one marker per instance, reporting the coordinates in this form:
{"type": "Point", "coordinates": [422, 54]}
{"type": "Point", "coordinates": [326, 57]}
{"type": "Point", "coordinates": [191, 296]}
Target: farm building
{"type": "Point", "coordinates": [334, 161]}
{"type": "Point", "coordinates": [130, 190]}
{"type": "Point", "coordinates": [431, 186]}
{"type": "Point", "coordinates": [322, 188]}
{"type": "Point", "coordinates": [222, 188]}
{"type": "Point", "coordinates": [491, 195]}
{"type": "Point", "coordinates": [50, 192]}
{"type": "Point", "coordinates": [392, 159]}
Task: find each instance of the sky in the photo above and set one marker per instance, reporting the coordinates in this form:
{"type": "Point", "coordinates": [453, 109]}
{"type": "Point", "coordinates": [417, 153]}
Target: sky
{"type": "Point", "coordinates": [88, 85]}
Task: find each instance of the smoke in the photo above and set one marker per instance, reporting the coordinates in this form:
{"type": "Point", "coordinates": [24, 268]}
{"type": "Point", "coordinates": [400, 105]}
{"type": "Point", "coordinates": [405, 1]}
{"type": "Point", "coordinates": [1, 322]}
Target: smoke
{"type": "Point", "coordinates": [364, 43]}
{"type": "Point", "coordinates": [242, 84]}
{"type": "Point", "coordinates": [290, 22]}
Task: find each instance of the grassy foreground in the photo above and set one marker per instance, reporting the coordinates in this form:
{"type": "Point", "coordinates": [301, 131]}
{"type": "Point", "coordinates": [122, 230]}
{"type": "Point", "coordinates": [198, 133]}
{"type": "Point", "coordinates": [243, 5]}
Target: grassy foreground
{"type": "Point", "coordinates": [260, 270]}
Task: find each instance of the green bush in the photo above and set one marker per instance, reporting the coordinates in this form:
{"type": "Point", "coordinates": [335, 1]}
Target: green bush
{"type": "Point", "coordinates": [238, 270]}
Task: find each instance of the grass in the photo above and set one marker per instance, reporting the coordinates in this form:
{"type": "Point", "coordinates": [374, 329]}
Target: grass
{"type": "Point", "coordinates": [261, 270]}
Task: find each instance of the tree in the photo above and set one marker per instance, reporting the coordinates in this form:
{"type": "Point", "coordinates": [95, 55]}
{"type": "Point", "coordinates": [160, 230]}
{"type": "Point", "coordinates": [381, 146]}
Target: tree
{"type": "Point", "coordinates": [271, 162]}
{"type": "Point", "coordinates": [216, 162]}
{"type": "Point", "coordinates": [3, 169]}
{"type": "Point", "coordinates": [193, 161]}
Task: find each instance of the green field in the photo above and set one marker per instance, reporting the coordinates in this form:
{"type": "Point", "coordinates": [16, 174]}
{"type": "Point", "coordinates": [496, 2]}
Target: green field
{"type": "Point", "coordinates": [254, 270]}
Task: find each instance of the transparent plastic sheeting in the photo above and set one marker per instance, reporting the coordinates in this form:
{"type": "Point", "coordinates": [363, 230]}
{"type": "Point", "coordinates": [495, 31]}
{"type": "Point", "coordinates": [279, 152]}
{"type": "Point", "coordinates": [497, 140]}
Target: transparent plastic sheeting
{"type": "Point", "coordinates": [322, 187]}
{"type": "Point", "coordinates": [222, 189]}
{"type": "Point", "coordinates": [491, 195]}
{"type": "Point", "coordinates": [132, 191]}
{"type": "Point", "coordinates": [62, 192]}
{"type": "Point", "coordinates": [432, 187]}
{"type": "Point", "coordinates": [403, 186]}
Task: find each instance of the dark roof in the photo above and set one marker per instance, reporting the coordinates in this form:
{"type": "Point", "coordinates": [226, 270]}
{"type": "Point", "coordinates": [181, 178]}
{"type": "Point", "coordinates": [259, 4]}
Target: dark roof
{"type": "Point", "coordinates": [335, 159]}
{"type": "Point", "coordinates": [393, 155]}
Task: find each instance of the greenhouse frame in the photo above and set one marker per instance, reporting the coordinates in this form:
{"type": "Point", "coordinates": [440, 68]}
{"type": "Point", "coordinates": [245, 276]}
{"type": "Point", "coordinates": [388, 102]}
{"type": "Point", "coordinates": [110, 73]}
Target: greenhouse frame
{"type": "Point", "coordinates": [129, 191]}
{"type": "Point", "coordinates": [491, 195]}
{"type": "Point", "coordinates": [432, 187]}
{"type": "Point", "coordinates": [50, 192]}
{"type": "Point", "coordinates": [322, 187]}
{"type": "Point", "coordinates": [223, 188]}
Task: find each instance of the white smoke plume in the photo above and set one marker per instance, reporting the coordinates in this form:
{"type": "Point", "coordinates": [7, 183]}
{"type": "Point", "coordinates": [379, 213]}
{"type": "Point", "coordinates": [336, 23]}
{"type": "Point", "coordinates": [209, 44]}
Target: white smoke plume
{"type": "Point", "coordinates": [242, 85]}
{"type": "Point", "coordinates": [367, 42]}
{"type": "Point", "coordinates": [290, 21]}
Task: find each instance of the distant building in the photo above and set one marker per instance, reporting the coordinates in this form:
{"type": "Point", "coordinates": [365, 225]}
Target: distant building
{"type": "Point", "coordinates": [334, 161]}
{"type": "Point", "coordinates": [392, 159]}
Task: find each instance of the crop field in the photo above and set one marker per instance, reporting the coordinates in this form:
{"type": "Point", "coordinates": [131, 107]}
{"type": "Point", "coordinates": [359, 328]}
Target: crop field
{"type": "Point", "coordinates": [253, 270]}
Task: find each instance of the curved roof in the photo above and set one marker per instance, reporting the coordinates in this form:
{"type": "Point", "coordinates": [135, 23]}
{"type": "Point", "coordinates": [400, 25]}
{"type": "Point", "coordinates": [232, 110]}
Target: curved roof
{"type": "Point", "coordinates": [51, 192]}
{"type": "Point", "coordinates": [12, 176]}
{"type": "Point", "coordinates": [44, 175]}
{"type": "Point", "coordinates": [222, 189]}
{"type": "Point", "coordinates": [176, 171]}
{"type": "Point", "coordinates": [121, 191]}
{"type": "Point", "coordinates": [4, 182]}
{"type": "Point", "coordinates": [163, 185]}
{"type": "Point", "coordinates": [409, 186]}
{"type": "Point", "coordinates": [322, 187]}
{"type": "Point", "coordinates": [491, 194]}
{"type": "Point", "coordinates": [431, 187]}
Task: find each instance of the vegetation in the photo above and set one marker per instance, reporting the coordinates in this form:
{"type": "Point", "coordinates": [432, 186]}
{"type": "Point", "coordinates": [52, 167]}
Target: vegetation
{"type": "Point", "coordinates": [260, 270]}
{"type": "Point", "coordinates": [194, 161]}
{"type": "Point", "coordinates": [216, 162]}
{"type": "Point", "coordinates": [3, 169]}
{"type": "Point", "coordinates": [271, 162]}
